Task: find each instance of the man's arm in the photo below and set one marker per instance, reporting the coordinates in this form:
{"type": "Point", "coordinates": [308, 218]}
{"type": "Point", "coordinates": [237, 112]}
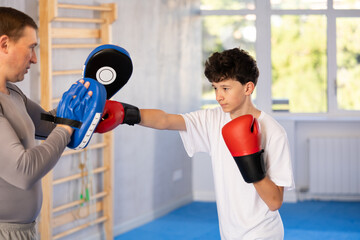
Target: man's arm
{"type": "Point", "coordinates": [23, 167]}
{"type": "Point", "coordinates": [42, 128]}
{"type": "Point", "coordinates": [158, 119]}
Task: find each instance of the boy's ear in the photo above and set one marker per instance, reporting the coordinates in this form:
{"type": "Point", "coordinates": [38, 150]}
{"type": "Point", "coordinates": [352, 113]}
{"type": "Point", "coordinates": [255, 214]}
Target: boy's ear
{"type": "Point", "coordinates": [249, 88]}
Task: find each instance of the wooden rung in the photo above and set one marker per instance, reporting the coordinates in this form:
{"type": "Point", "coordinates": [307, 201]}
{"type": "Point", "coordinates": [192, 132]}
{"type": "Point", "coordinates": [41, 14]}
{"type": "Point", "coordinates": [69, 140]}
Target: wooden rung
{"type": "Point", "coordinates": [73, 215]}
{"type": "Point", "coordinates": [66, 72]}
{"type": "Point", "coordinates": [55, 100]}
{"type": "Point", "coordinates": [84, 45]}
{"type": "Point", "coordinates": [78, 202]}
{"type": "Point", "coordinates": [75, 33]}
{"type": "Point", "coordinates": [79, 175]}
{"type": "Point", "coordinates": [93, 146]}
{"type": "Point", "coordinates": [84, 7]}
{"type": "Point", "coordinates": [78, 228]}
{"type": "Point", "coordinates": [79, 20]}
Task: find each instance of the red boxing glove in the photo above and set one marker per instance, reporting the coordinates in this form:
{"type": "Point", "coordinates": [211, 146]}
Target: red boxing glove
{"type": "Point", "coordinates": [116, 113]}
{"type": "Point", "coordinates": [243, 138]}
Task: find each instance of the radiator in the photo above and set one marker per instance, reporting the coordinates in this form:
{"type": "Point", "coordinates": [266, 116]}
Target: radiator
{"type": "Point", "coordinates": [334, 166]}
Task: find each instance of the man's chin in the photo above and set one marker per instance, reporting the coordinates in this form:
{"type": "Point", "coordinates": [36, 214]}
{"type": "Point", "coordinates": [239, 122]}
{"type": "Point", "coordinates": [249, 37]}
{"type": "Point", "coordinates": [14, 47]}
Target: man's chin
{"type": "Point", "coordinates": [20, 79]}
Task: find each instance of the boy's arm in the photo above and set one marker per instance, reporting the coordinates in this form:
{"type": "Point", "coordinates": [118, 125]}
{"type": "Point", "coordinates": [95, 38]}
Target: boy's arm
{"type": "Point", "coordinates": [116, 113]}
{"type": "Point", "coordinates": [158, 119]}
{"type": "Point", "coordinates": [270, 193]}
{"type": "Point", "coordinates": [243, 138]}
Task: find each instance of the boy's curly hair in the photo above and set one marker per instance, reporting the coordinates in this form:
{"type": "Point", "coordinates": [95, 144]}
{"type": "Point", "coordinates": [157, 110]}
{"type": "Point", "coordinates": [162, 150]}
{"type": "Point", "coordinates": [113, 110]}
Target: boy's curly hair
{"type": "Point", "coordinates": [234, 64]}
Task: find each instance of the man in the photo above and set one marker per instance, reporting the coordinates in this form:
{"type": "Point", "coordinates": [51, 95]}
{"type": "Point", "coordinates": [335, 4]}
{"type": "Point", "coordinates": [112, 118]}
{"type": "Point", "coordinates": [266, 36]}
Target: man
{"type": "Point", "coordinates": [22, 162]}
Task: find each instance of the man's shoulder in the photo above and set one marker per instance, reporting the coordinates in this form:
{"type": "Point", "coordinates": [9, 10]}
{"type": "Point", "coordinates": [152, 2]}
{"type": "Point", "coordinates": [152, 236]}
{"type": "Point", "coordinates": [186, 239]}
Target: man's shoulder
{"type": "Point", "coordinates": [14, 88]}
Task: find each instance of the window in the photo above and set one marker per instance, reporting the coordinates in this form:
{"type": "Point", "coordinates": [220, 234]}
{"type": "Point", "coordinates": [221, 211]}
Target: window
{"type": "Point", "coordinates": [298, 57]}
{"type": "Point", "coordinates": [227, 4]}
{"type": "Point", "coordinates": [348, 63]}
{"type": "Point", "coordinates": [298, 4]}
{"type": "Point", "coordinates": [307, 50]}
{"type": "Point", "coordinates": [347, 4]}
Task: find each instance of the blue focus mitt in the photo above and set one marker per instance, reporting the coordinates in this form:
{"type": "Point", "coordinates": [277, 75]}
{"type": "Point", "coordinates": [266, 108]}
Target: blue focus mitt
{"type": "Point", "coordinates": [80, 111]}
{"type": "Point", "coordinates": [110, 65]}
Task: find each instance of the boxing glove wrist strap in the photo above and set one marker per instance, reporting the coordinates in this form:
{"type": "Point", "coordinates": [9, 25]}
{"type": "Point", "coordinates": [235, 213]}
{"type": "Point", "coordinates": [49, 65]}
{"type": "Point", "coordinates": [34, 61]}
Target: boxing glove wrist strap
{"type": "Point", "coordinates": [252, 167]}
{"type": "Point", "coordinates": [59, 120]}
{"type": "Point", "coordinates": [131, 114]}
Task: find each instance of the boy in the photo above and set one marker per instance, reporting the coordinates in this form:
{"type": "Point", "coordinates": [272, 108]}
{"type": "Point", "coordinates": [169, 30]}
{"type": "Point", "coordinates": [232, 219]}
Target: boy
{"type": "Point", "coordinates": [246, 210]}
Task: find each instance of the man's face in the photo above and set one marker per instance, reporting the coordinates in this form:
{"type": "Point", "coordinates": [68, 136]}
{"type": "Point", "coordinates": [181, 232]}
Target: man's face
{"type": "Point", "coordinates": [21, 55]}
{"type": "Point", "coordinates": [231, 95]}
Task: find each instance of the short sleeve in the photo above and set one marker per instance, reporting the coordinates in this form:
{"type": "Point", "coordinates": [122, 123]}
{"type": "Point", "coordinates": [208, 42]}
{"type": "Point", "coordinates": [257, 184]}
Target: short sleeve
{"type": "Point", "coordinates": [195, 138]}
{"type": "Point", "coordinates": [280, 168]}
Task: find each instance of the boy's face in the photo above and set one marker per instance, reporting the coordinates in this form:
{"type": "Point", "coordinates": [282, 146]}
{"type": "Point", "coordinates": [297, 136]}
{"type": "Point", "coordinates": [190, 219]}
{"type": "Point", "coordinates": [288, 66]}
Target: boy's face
{"type": "Point", "coordinates": [232, 96]}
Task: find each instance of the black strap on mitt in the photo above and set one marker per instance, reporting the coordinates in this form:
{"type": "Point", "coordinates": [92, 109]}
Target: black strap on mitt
{"type": "Point", "coordinates": [59, 120]}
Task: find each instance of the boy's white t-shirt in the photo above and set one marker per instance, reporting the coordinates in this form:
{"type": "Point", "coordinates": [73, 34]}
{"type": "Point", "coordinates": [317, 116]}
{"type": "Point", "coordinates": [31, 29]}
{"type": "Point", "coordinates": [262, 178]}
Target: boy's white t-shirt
{"type": "Point", "coordinates": [242, 213]}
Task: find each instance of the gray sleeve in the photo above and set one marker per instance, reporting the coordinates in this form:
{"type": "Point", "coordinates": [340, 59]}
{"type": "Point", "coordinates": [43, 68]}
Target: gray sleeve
{"type": "Point", "coordinates": [23, 167]}
{"type": "Point", "coordinates": [42, 128]}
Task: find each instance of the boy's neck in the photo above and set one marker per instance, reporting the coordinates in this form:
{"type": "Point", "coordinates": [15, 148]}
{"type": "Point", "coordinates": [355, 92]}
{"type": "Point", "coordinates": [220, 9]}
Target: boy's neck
{"type": "Point", "coordinates": [247, 109]}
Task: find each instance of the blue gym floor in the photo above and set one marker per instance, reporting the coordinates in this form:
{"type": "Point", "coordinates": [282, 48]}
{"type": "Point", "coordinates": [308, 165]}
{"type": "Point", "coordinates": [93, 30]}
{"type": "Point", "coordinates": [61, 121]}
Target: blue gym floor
{"type": "Point", "coordinates": [302, 220]}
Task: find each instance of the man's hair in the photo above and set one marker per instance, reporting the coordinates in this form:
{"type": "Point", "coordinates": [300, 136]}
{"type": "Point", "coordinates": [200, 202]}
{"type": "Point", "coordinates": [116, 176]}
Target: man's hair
{"type": "Point", "coordinates": [234, 64]}
{"type": "Point", "coordinates": [13, 23]}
